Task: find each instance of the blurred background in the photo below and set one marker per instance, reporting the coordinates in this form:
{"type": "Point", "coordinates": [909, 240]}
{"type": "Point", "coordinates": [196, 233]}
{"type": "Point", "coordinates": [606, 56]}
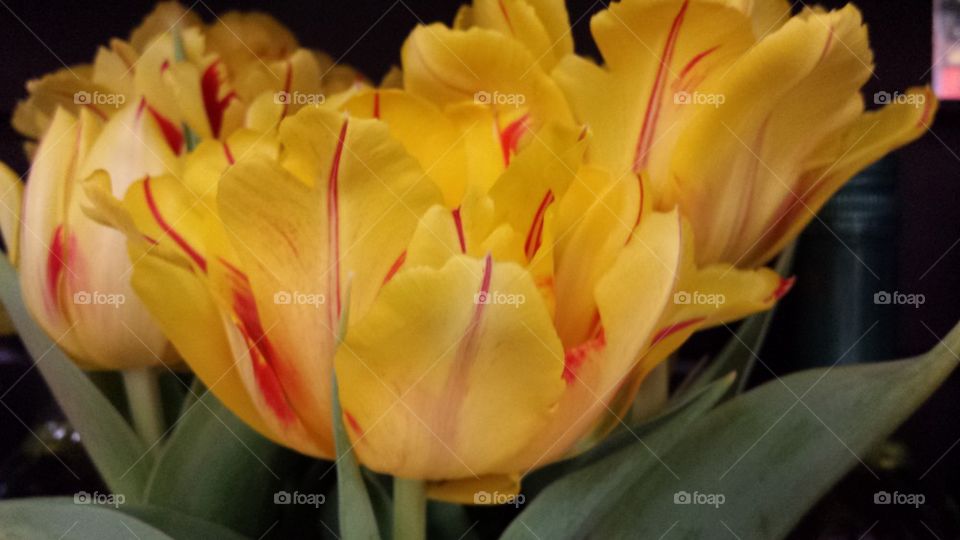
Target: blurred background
{"type": "Point", "coordinates": [896, 229]}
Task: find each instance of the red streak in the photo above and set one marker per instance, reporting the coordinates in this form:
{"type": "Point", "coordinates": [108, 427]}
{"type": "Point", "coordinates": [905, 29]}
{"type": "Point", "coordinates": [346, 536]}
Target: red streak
{"type": "Point", "coordinates": [352, 422]}
{"type": "Point", "coordinates": [198, 259]}
{"type": "Point", "coordinates": [212, 103]}
{"type": "Point", "coordinates": [376, 105]}
{"type": "Point", "coordinates": [287, 84]}
{"type": "Point", "coordinates": [55, 267]}
{"type": "Point", "coordinates": [510, 137]}
{"type": "Point", "coordinates": [262, 353]}
{"type": "Point", "coordinates": [575, 357]}
{"type": "Point", "coordinates": [228, 153]}
{"type": "Point", "coordinates": [652, 113]}
{"type": "Point", "coordinates": [333, 215]}
{"type": "Point", "coordinates": [696, 60]}
{"type": "Point", "coordinates": [458, 221]}
{"type": "Point", "coordinates": [395, 267]}
{"type": "Point", "coordinates": [535, 234]}
{"type": "Point", "coordinates": [664, 333]}
{"type": "Point", "coordinates": [171, 132]}
{"type": "Point", "coordinates": [782, 289]}
{"type": "Point", "coordinates": [506, 17]}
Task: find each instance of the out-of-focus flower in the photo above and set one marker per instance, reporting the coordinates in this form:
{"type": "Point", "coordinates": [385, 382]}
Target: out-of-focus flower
{"type": "Point", "coordinates": [196, 77]}
{"type": "Point", "coordinates": [526, 305]}
{"type": "Point", "coordinates": [149, 107]}
{"type": "Point", "coordinates": [746, 118]}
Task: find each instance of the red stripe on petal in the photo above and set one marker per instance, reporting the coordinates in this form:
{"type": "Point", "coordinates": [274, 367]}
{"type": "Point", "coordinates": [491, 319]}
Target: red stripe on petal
{"type": "Point", "coordinates": [664, 333]}
{"type": "Point", "coordinates": [510, 137]}
{"type": "Point", "coordinates": [696, 60]}
{"type": "Point", "coordinates": [55, 267]}
{"type": "Point", "coordinates": [574, 358]}
{"type": "Point", "coordinates": [333, 219]}
{"type": "Point", "coordinates": [654, 102]}
{"type": "Point", "coordinates": [376, 105]}
{"type": "Point", "coordinates": [262, 353]}
{"type": "Point", "coordinates": [395, 267]}
{"type": "Point", "coordinates": [782, 289]}
{"type": "Point", "coordinates": [352, 422]}
{"type": "Point", "coordinates": [458, 221]}
{"type": "Point", "coordinates": [195, 255]}
{"type": "Point", "coordinates": [170, 131]}
{"type": "Point", "coordinates": [535, 234]}
{"type": "Point", "coordinates": [212, 103]}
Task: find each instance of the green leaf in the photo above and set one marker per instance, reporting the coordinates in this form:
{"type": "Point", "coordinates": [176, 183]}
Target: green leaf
{"type": "Point", "coordinates": [216, 468]}
{"type": "Point", "coordinates": [356, 516]}
{"type": "Point", "coordinates": [680, 414]}
{"type": "Point", "coordinates": [759, 452]}
{"type": "Point", "coordinates": [62, 518]}
{"type": "Point", "coordinates": [120, 456]}
{"type": "Point", "coordinates": [739, 354]}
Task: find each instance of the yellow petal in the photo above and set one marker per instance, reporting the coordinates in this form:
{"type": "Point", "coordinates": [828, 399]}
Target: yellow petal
{"type": "Point", "coordinates": [11, 199]}
{"type": "Point", "coordinates": [341, 210]}
{"type": "Point", "coordinates": [470, 344]}
{"type": "Point", "coordinates": [477, 65]}
{"type": "Point", "coordinates": [425, 132]}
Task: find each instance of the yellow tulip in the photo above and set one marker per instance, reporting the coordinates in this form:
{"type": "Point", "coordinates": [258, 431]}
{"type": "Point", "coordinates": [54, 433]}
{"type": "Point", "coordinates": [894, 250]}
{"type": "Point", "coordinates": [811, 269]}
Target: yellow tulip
{"type": "Point", "coordinates": [527, 305]}
{"type": "Point", "coordinates": [744, 117]}
{"type": "Point", "coordinates": [193, 76]}
{"type": "Point", "coordinates": [138, 111]}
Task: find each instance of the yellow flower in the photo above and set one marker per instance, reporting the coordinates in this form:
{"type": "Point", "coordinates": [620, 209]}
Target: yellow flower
{"type": "Point", "coordinates": [744, 117]}
{"type": "Point", "coordinates": [138, 111]}
{"type": "Point", "coordinates": [204, 78]}
{"type": "Point", "coordinates": [526, 305]}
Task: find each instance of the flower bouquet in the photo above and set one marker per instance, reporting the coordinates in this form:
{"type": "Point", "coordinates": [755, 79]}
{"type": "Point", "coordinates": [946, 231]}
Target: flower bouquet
{"type": "Point", "coordinates": [383, 306]}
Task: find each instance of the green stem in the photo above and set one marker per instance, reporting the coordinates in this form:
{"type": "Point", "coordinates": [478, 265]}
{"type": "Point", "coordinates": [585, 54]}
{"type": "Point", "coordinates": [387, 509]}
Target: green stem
{"type": "Point", "coordinates": [409, 509]}
{"type": "Point", "coordinates": [143, 397]}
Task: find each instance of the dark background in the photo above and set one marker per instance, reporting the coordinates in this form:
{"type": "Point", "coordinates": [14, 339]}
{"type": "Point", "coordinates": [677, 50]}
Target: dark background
{"type": "Point", "coordinates": [37, 36]}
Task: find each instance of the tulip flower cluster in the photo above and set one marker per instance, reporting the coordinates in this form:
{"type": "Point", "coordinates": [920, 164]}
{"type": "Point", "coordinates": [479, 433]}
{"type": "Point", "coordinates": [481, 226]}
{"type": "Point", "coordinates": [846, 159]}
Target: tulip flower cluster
{"type": "Point", "coordinates": [490, 251]}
